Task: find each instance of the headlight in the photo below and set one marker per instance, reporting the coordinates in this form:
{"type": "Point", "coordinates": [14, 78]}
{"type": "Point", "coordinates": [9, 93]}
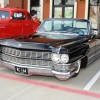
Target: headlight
{"type": "Point", "coordinates": [64, 58]}
{"type": "Point", "coordinates": [55, 57]}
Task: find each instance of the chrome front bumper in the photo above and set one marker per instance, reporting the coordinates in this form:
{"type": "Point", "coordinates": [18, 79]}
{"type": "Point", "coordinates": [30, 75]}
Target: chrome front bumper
{"type": "Point", "coordinates": [40, 70]}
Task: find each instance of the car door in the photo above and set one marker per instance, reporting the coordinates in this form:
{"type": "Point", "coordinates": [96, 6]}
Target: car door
{"type": "Point", "coordinates": [29, 26]}
{"type": "Point", "coordinates": [92, 50]}
{"type": "Point", "coordinates": [4, 24]}
{"type": "Point", "coordinates": [16, 24]}
{"type": "Point", "coordinates": [97, 45]}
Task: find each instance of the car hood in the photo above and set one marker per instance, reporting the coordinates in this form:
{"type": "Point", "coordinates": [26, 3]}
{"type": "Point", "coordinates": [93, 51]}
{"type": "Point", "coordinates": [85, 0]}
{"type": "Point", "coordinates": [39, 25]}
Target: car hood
{"type": "Point", "coordinates": [42, 43]}
{"type": "Point", "coordinates": [55, 43]}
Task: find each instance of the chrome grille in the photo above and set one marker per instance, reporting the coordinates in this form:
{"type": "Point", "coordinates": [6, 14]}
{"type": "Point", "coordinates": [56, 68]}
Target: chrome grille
{"type": "Point", "coordinates": [36, 63]}
{"type": "Point", "coordinates": [30, 58]}
{"type": "Point", "coordinates": [26, 54]}
{"type": "Point", "coordinates": [25, 61]}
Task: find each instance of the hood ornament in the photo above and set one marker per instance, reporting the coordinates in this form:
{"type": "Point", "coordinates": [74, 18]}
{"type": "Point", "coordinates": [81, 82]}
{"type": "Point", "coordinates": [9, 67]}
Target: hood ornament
{"type": "Point", "coordinates": [58, 50]}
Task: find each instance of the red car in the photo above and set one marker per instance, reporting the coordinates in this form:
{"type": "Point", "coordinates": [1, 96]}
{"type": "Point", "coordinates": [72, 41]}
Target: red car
{"type": "Point", "coordinates": [16, 22]}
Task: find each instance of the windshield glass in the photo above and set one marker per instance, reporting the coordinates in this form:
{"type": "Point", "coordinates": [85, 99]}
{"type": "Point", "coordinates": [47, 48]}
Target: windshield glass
{"type": "Point", "coordinates": [64, 28]}
{"type": "Point", "coordinates": [4, 14]}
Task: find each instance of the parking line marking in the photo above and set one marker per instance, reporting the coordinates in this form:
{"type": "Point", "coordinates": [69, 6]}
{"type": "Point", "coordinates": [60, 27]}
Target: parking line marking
{"type": "Point", "coordinates": [92, 81]}
{"type": "Point", "coordinates": [61, 88]}
{"type": "Point", "coordinates": [20, 92]}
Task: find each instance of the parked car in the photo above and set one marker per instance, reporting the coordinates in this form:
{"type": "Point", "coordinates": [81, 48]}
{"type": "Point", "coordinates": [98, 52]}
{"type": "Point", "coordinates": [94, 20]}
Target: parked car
{"type": "Point", "coordinates": [61, 48]}
{"type": "Point", "coordinates": [16, 22]}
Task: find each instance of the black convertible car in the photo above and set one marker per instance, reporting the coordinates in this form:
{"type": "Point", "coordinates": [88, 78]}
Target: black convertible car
{"type": "Point", "coordinates": [60, 48]}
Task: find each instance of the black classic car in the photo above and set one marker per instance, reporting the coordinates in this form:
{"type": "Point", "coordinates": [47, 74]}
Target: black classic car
{"type": "Point", "coordinates": [60, 48]}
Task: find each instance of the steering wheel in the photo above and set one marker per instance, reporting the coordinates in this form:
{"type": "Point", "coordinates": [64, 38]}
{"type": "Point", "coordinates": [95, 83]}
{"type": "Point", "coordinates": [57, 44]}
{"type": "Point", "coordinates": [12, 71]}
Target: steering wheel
{"type": "Point", "coordinates": [81, 32]}
{"type": "Point", "coordinates": [66, 28]}
{"type": "Point", "coordinates": [78, 31]}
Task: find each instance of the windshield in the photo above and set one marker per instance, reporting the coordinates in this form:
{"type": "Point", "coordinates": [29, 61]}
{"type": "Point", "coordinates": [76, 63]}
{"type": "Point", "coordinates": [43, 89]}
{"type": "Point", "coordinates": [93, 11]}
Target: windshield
{"type": "Point", "coordinates": [4, 14]}
{"type": "Point", "coordinates": [64, 28]}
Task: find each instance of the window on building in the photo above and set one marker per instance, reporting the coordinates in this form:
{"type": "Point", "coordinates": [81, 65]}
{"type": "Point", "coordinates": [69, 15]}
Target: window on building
{"type": "Point", "coordinates": [35, 8]}
{"type": "Point", "coordinates": [63, 8]}
{"type": "Point", "coordinates": [93, 13]}
{"type": "Point", "coordinates": [63, 2]}
{"type": "Point", "coordinates": [94, 2]}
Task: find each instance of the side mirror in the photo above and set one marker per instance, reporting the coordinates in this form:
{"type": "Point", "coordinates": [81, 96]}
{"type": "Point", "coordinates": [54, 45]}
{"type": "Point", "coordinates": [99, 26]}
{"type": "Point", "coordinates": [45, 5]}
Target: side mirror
{"type": "Point", "coordinates": [95, 33]}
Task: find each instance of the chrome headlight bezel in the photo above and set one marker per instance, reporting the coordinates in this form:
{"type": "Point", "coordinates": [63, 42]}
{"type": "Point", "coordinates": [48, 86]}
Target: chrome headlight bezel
{"type": "Point", "coordinates": [55, 57]}
{"type": "Point", "coordinates": [59, 58]}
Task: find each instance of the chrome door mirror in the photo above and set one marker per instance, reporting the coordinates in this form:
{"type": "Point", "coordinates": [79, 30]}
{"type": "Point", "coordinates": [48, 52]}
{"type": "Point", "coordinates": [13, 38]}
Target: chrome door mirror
{"type": "Point", "coordinates": [95, 32]}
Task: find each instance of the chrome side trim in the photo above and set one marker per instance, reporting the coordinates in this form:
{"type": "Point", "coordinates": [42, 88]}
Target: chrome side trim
{"type": "Point", "coordinates": [94, 50]}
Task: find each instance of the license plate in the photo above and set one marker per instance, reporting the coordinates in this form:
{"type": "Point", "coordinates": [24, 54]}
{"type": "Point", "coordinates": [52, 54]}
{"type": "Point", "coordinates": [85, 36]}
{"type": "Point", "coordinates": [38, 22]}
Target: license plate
{"type": "Point", "coordinates": [20, 70]}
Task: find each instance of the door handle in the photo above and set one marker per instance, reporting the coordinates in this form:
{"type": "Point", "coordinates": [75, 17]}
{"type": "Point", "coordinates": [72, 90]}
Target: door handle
{"type": "Point", "coordinates": [2, 27]}
{"type": "Point", "coordinates": [27, 24]}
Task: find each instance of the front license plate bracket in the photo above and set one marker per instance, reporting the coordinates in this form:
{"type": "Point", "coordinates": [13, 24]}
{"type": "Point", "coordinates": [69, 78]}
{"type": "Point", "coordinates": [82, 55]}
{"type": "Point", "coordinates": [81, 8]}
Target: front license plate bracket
{"type": "Point", "coordinates": [21, 70]}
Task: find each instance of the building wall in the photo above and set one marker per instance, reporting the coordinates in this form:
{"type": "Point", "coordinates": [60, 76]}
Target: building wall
{"type": "Point", "coordinates": [46, 8]}
{"type": "Point", "coordinates": [80, 9]}
{"type": "Point", "coordinates": [3, 3]}
{"type": "Point", "coordinates": [19, 3]}
{"type": "Point", "coordinates": [15, 3]}
{"type": "Point", "coordinates": [25, 4]}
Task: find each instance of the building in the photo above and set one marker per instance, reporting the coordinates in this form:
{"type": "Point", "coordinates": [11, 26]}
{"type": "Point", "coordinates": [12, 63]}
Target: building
{"type": "Point", "coordinates": [88, 9]}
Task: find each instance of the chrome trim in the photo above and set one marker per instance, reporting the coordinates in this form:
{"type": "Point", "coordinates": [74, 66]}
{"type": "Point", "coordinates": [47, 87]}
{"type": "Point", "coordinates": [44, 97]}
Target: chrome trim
{"type": "Point", "coordinates": [55, 72]}
{"type": "Point", "coordinates": [42, 66]}
{"type": "Point", "coordinates": [59, 50]}
{"type": "Point", "coordinates": [94, 53]}
{"type": "Point", "coordinates": [41, 70]}
{"type": "Point", "coordinates": [91, 56]}
{"type": "Point", "coordinates": [94, 50]}
{"type": "Point", "coordinates": [97, 53]}
{"type": "Point", "coordinates": [26, 54]}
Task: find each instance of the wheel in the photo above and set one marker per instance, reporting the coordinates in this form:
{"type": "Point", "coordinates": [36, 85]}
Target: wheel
{"type": "Point", "coordinates": [78, 68]}
{"type": "Point", "coordinates": [81, 64]}
{"type": "Point", "coordinates": [84, 62]}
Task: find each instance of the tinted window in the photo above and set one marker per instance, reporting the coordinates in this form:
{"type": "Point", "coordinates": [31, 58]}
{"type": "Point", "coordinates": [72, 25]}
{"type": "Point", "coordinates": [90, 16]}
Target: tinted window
{"type": "Point", "coordinates": [4, 14]}
{"type": "Point", "coordinates": [18, 16]}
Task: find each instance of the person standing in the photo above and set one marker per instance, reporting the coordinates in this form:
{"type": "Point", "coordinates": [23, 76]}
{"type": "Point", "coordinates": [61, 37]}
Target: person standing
{"type": "Point", "coordinates": [36, 19]}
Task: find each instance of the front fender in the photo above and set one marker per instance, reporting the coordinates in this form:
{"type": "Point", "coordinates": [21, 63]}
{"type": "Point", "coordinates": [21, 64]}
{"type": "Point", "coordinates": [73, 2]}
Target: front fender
{"type": "Point", "coordinates": [78, 52]}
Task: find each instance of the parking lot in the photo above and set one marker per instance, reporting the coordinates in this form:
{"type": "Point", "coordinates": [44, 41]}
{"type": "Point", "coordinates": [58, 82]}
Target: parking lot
{"type": "Point", "coordinates": [84, 87]}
